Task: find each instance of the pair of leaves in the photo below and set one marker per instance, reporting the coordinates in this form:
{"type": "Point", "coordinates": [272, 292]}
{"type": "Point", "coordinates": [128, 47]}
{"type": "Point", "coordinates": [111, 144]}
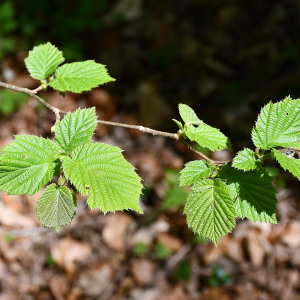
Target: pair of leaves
{"type": "Point", "coordinates": [97, 170]}
{"type": "Point", "coordinates": [205, 135]}
{"type": "Point", "coordinates": [43, 61]}
{"type": "Point", "coordinates": [212, 206]}
{"type": "Point", "coordinates": [278, 125]}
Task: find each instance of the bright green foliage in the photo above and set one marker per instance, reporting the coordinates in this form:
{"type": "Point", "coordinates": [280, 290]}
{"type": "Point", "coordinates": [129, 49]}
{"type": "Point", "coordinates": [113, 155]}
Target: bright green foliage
{"type": "Point", "coordinates": [245, 160]}
{"type": "Point", "coordinates": [288, 163]}
{"type": "Point", "coordinates": [207, 136]}
{"type": "Point", "coordinates": [27, 164]}
{"type": "Point", "coordinates": [194, 171]}
{"type": "Point", "coordinates": [56, 207]}
{"type": "Point", "coordinates": [80, 76]}
{"type": "Point", "coordinates": [100, 171]}
{"type": "Point", "coordinates": [76, 129]}
{"type": "Point", "coordinates": [188, 115]}
{"type": "Point", "coordinates": [210, 209]}
{"type": "Point", "coordinates": [253, 192]}
{"type": "Point", "coordinates": [179, 124]}
{"type": "Point", "coordinates": [43, 60]}
{"type": "Point", "coordinates": [278, 125]}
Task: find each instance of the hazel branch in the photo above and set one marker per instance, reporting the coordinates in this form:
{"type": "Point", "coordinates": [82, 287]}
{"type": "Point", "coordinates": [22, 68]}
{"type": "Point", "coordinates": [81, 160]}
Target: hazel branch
{"type": "Point", "coordinates": [32, 93]}
{"type": "Point", "coordinates": [57, 112]}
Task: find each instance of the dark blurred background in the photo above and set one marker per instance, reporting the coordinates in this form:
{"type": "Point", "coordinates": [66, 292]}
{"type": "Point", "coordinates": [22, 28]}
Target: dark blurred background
{"type": "Point", "coordinates": [226, 59]}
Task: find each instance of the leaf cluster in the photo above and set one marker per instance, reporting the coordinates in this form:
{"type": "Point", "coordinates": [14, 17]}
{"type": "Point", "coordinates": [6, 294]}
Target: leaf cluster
{"type": "Point", "coordinates": [96, 170]}
{"type": "Point", "coordinates": [244, 188]}
{"type": "Point", "coordinates": [43, 64]}
{"type": "Point", "coordinates": [220, 192]}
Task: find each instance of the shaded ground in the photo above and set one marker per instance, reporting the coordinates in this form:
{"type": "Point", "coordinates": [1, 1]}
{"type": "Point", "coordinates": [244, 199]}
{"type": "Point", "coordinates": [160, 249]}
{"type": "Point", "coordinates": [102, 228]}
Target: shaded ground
{"type": "Point", "coordinates": [127, 256]}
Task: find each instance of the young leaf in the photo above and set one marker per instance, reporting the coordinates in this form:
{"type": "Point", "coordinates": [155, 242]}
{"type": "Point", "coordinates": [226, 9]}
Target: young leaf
{"type": "Point", "coordinates": [27, 164]}
{"type": "Point", "coordinates": [56, 207]}
{"type": "Point", "coordinates": [207, 136]}
{"type": "Point", "coordinates": [288, 163]}
{"type": "Point", "coordinates": [210, 209]}
{"type": "Point", "coordinates": [188, 115]}
{"type": "Point", "coordinates": [278, 124]}
{"type": "Point", "coordinates": [100, 171]}
{"type": "Point", "coordinates": [80, 76]}
{"type": "Point", "coordinates": [194, 171]}
{"type": "Point", "coordinates": [43, 60]}
{"type": "Point", "coordinates": [245, 160]}
{"type": "Point", "coordinates": [178, 124]}
{"type": "Point", "coordinates": [254, 193]}
{"type": "Point", "coordinates": [76, 128]}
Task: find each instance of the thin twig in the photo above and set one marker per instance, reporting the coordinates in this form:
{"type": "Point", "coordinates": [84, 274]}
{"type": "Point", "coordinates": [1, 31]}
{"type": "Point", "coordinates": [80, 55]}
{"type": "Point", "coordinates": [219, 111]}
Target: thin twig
{"type": "Point", "coordinates": [142, 129]}
{"type": "Point", "coordinates": [37, 89]}
{"type": "Point", "coordinates": [215, 162]}
{"type": "Point", "coordinates": [32, 93]}
{"type": "Point", "coordinates": [174, 136]}
{"type": "Point", "coordinates": [57, 111]}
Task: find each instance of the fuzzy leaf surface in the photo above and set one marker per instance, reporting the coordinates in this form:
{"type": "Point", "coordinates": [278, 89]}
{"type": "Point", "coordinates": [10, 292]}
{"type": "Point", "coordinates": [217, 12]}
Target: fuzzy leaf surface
{"type": "Point", "coordinates": [245, 160]}
{"type": "Point", "coordinates": [207, 136]}
{"type": "Point", "coordinates": [100, 172]}
{"type": "Point", "coordinates": [43, 60]}
{"type": "Point", "coordinates": [80, 76]}
{"type": "Point", "coordinates": [278, 124]}
{"type": "Point", "coordinates": [76, 128]}
{"type": "Point", "coordinates": [27, 164]}
{"type": "Point", "coordinates": [210, 209]}
{"type": "Point", "coordinates": [188, 115]}
{"type": "Point", "coordinates": [56, 207]}
{"type": "Point", "coordinates": [194, 171]}
{"type": "Point", "coordinates": [290, 164]}
{"type": "Point", "coordinates": [254, 193]}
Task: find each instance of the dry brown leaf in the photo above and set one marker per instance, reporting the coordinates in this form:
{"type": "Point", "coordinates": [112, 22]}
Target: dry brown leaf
{"type": "Point", "coordinates": [256, 249]}
{"type": "Point", "coordinates": [143, 271]}
{"type": "Point", "coordinates": [172, 242]}
{"type": "Point", "coordinates": [66, 252]}
{"type": "Point", "coordinates": [97, 280]}
{"type": "Point", "coordinates": [115, 230]}
{"type": "Point", "coordinates": [13, 219]}
{"type": "Point", "coordinates": [291, 236]}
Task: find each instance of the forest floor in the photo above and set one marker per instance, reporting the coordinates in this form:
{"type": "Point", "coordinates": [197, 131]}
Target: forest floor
{"type": "Point", "coordinates": [130, 256]}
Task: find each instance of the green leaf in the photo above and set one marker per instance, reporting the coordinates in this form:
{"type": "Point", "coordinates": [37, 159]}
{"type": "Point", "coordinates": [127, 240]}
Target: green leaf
{"type": "Point", "coordinates": [194, 171]}
{"type": "Point", "coordinates": [100, 171]}
{"type": "Point", "coordinates": [210, 209]}
{"type": "Point", "coordinates": [43, 60]}
{"type": "Point", "coordinates": [27, 164]}
{"type": "Point", "coordinates": [254, 193]}
{"type": "Point", "coordinates": [178, 124]}
{"type": "Point", "coordinates": [245, 160]}
{"type": "Point", "coordinates": [56, 207]}
{"type": "Point", "coordinates": [80, 76]}
{"type": "Point", "coordinates": [76, 128]}
{"type": "Point", "coordinates": [278, 124]}
{"type": "Point", "coordinates": [188, 115]}
{"type": "Point", "coordinates": [207, 136]}
{"type": "Point", "coordinates": [288, 163]}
